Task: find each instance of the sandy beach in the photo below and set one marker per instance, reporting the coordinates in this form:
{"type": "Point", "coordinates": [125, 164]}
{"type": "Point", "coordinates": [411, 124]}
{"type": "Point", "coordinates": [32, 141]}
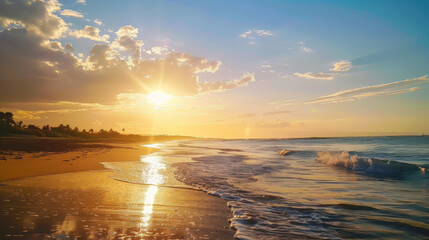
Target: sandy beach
{"type": "Point", "coordinates": [69, 194]}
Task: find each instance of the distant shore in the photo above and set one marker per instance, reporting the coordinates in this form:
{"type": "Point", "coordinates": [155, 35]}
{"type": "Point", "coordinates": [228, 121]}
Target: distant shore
{"type": "Point", "coordinates": [57, 170]}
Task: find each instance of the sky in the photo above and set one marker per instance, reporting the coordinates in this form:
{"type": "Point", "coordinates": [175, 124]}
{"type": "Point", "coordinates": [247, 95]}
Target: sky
{"type": "Point", "coordinates": [229, 69]}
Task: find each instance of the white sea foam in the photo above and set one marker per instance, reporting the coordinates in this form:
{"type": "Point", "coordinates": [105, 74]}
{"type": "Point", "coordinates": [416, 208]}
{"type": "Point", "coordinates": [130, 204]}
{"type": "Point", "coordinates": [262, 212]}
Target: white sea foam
{"type": "Point", "coordinates": [369, 165]}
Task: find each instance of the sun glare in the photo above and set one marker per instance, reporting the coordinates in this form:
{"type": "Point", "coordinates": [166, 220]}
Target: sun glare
{"type": "Point", "coordinates": [158, 98]}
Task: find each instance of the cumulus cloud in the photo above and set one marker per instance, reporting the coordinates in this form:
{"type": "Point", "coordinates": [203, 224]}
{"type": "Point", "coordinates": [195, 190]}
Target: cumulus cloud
{"type": "Point", "coordinates": [252, 34]}
{"type": "Point", "coordinates": [71, 13]}
{"type": "Point", "coordinates": [220, 86]}
{"type": "Point", "coordinates": [321, 75]}
{"type": "Point", "coordinates": [36, 67]}
{"type": "Point", "coordinates": [90, 32]}
{"type": "Point", "coordinates": [81, 1]}
{"type": "Point", "coordinates": [98, 22]}
{"type": "Point", "coordinates": [393, 88]}
{"type": "Point", "coordinates": [35, 16]}
{"type": "Point", "coordinates": [126, 41]}
{"type": "Point", "coordinates": [158, 50]}
{"type": "Point", "coordinates": [342, 66]}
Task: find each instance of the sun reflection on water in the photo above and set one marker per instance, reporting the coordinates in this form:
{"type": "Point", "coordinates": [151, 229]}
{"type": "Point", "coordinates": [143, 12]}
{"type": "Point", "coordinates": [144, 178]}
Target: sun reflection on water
{"type": "Point", "coordinates": [148, 206]}
{"type": "Point", "coordinates": [153, 145]}
{"type": "Point", "coordinates": [153, 176]}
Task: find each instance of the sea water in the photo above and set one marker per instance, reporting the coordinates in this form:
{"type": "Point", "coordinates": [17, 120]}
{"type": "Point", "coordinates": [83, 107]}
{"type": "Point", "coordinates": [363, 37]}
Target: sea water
{"type": "Point", "coordinates": [319, 188]}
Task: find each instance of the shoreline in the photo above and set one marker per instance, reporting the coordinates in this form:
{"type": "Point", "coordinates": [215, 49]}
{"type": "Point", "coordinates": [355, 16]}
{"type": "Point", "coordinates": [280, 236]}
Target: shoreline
{"type": "Point", "coordinates": [75, 193]}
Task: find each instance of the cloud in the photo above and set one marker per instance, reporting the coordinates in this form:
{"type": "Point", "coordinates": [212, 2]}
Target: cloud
{"type": "Point", "coordinates": [98, 22]}
{"type": "Point", "coordinates": [71, 13]}
{"type": "Point", "coordinates": [221, 86]}
{"type": "Point", "coordinates": [342, 66]}
{"type": "Point", "coordinates": [36, 67]}
{"type": "Point", "coordinates": [252, 34]}
{"type": "Point", "coordinates": [197, 63]}
{"type": "Point", "coordinates": [305, 49]}
{"type": "Point", "coordinates": [81, 1]}
{"type": "Point", "coordinates": [321, 75]}
{"type": "Point", "coordinates": [25, 115]}
{"type": "Point", "coordinates": [393, 88]}
{"type": "Point", "coordinates": [158, 50]}
{"type": "Point", "coordinates": [301, 48]}
{"type": "Point", "coordinates": [282, 103]}
{"type": "Point", "coordinates": [35, 16]}
{"type": "Point", "coordinates": [266, 68]}
{"type": "Point", "coordinates": [126, 41]}
{"type": "Point", "coordinates": [90, 32]}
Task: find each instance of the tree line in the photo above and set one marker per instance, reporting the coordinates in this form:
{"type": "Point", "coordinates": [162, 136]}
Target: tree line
{"type": "Point", "coordinates": [8, 127]}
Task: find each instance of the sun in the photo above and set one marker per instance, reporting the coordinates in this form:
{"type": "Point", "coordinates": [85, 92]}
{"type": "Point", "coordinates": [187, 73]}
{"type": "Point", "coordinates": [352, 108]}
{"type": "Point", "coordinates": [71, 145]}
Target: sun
{"type": "Point", "coordinates": [158, 98]}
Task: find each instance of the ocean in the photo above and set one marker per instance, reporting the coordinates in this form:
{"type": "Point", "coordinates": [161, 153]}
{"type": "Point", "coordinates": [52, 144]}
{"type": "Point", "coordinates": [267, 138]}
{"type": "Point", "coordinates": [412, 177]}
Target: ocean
{"type": "Point", "coordinates": [317, 188]}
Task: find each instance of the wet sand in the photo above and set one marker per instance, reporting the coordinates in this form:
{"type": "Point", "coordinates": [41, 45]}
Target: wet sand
{"type": "Point", "coordinates": [68, 195]}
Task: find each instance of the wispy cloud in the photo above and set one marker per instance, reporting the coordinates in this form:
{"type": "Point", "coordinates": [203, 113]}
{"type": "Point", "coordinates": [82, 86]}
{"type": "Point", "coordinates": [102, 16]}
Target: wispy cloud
{"type": "Point", "coordinates": [301, 47]}
{"type": "Point", "coordinates": [81, 1]}
{"type": "Point", "coordinates": [71, 13]}
{"type": "Point", "coordinates": [393, 88]}
{"type": "Point", "coordinates": [252, 34]}
{"type": "Point", "coordinates": [342, 66]}
{"type": "Point", "coordinates": [283, 103]}
{"type": "Point", "coordinates": [321, 75]}
{"type": "Point", "coordinates": [221, 86]}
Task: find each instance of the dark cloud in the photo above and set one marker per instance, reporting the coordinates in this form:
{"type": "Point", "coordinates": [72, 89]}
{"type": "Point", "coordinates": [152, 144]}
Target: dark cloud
{"type": "Point", "coordinates": [35, 16]}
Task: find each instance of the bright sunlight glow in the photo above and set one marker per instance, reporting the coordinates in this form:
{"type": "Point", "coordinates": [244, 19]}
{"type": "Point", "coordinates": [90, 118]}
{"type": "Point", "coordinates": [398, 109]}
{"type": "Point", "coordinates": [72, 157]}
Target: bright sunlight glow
{"type": "Point", "coordinates": [158, 98]}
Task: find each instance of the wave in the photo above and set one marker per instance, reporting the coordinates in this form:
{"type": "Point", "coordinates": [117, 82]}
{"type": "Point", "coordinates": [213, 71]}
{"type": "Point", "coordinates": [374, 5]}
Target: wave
{"type": "Point", "coordinates": [367, 165]}
{"type": "Point", "coordinates": [284, 152]}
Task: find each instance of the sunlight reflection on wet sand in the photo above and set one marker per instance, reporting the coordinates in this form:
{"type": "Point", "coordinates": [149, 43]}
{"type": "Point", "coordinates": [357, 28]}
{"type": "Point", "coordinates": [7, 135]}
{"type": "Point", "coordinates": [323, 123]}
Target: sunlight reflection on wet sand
{"type": "Point", "coordinates": [101, 204]}
{"type": "Point", "coordinates": [153, 176]}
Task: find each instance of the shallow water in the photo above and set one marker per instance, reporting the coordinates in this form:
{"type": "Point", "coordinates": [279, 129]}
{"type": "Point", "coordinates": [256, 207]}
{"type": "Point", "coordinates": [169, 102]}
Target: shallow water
{"type": "Point", "coordinates": [334, 188]}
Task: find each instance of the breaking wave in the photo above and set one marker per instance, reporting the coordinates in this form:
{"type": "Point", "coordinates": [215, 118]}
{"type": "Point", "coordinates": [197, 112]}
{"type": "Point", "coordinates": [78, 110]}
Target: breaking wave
{"type": "Point", "coordinates": [366, 164]}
